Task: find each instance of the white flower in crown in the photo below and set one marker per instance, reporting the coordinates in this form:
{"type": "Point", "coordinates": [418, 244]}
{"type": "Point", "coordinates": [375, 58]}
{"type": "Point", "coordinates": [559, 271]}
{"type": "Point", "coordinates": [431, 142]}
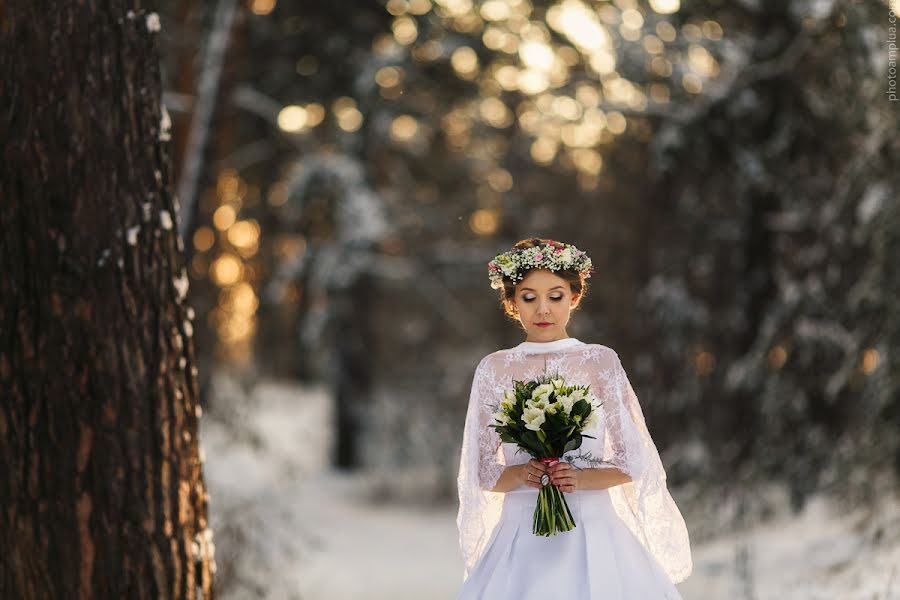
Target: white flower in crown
{"type": "Point", "coordinates": [516, 262]}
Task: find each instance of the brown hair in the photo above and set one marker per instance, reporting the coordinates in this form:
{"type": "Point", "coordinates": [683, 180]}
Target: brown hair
{"type": "Point", "coordinates": [576, 282]}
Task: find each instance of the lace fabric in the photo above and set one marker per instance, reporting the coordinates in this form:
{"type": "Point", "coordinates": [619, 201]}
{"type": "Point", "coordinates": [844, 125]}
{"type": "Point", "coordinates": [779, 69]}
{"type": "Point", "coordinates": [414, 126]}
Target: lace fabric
{"type": "Point", "coordinates": [622, 441]}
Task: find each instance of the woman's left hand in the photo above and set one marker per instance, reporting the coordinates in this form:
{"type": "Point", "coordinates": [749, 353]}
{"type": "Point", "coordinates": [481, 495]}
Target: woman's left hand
{"type": "Point", "coordinates": [565, 476]}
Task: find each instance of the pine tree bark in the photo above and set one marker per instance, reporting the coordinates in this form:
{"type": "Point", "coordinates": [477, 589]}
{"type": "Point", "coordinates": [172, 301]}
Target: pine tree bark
{"type": "Point", "coordinates": [100, 469]}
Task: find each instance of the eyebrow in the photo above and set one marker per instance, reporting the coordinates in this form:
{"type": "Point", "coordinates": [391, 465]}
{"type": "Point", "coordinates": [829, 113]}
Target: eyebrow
{"type": "Point", "coordinates": [532, 290]}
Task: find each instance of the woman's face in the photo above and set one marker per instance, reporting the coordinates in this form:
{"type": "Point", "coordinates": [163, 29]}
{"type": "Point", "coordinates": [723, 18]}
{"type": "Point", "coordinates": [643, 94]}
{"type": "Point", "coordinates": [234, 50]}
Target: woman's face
{"type": "Point", "coordinates": [543, 297]}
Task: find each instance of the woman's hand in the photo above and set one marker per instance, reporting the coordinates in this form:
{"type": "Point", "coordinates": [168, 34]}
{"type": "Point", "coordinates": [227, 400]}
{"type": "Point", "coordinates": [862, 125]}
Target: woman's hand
{"type": "Point", "coordinates": [565, 476]}
{"type": "Point", "coordinates": [531, 473]}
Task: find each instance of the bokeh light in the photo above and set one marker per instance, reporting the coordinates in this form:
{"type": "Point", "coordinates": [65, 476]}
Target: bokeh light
{"type": "Point", "coordinates": [484, 221]}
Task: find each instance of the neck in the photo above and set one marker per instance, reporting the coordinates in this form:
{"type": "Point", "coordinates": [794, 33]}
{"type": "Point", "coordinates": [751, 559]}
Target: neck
{"type": "Point", "coordinates": [561, 336]}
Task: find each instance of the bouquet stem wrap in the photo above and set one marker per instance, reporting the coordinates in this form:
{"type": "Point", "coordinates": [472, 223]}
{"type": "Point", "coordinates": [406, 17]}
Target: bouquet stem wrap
{"type": "Point", "coordinates": [552, 514]}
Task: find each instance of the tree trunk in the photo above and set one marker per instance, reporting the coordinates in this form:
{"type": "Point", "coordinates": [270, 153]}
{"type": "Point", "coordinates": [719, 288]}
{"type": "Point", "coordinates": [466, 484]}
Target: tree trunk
{"type": "Point", "coordinates": [100, 469]}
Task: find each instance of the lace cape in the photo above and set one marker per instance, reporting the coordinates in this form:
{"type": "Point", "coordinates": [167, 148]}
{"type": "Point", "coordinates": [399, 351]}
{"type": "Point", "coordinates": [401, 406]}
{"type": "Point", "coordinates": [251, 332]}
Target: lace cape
{"type": "Point", "coordinates": [622, 441]}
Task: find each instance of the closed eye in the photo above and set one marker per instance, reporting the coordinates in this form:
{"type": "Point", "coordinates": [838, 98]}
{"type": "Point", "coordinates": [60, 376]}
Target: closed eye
{"type": "Point", "coordinates": [554, 298]}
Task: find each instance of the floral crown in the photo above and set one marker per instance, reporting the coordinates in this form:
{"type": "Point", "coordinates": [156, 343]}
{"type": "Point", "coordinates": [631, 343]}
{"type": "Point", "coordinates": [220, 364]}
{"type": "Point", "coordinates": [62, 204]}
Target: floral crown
{"type": "Point", "coordinates": [516, 262]}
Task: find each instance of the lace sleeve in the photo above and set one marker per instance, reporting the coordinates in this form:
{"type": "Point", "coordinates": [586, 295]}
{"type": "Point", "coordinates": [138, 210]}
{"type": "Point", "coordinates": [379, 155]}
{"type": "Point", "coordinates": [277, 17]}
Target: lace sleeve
{"type": "Point", "coordinates": [621, 432]}
{"type": "Point", "coordinates": [644, 503]}
{"type": "Point", "coordinates": [480, 466]}
{"type": "Point", "coordinates": [490, 463]}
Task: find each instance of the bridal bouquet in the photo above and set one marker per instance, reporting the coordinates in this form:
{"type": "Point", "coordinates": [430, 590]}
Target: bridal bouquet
{"type": "Point", "coordinates": [545, 417]}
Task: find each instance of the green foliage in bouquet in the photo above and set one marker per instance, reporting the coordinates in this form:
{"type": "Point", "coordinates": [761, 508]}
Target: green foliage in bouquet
{"type": "Point", "coordinates": [546, 418]}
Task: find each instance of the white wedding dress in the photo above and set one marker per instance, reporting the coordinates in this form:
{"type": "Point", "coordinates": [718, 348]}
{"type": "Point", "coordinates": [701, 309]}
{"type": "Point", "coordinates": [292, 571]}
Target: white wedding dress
{"type": "Point", "coordinates": [630, 541]}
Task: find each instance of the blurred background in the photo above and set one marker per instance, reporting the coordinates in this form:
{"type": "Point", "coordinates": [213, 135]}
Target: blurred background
{"type": "Point", "coordinates": [347, 169]}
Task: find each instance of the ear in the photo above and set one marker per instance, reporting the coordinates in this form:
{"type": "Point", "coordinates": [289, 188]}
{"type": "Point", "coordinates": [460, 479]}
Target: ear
{"type": "Point", "coordinates": [576, 298]}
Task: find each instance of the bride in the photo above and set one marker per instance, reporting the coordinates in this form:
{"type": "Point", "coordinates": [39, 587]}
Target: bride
{"type": "Point", "coordinates": [630, 541]}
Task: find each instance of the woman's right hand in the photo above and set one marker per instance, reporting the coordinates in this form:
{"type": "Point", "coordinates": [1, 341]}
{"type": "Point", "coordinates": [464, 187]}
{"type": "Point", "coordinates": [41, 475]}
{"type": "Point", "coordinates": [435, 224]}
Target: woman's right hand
{"type": "Point", "coordinates": [531, 473]}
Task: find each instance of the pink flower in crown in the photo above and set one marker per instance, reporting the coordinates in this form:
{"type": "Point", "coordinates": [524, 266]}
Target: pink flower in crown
{"type": "Point", "coordinates": [538, 257]}
{"type": "Point", "coordinates": [558, 250]}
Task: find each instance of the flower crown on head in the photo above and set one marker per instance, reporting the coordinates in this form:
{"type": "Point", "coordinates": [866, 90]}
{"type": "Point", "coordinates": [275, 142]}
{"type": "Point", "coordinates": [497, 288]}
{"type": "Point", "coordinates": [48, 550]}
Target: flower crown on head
{"type": "Point", "coordinates": [516, 262]}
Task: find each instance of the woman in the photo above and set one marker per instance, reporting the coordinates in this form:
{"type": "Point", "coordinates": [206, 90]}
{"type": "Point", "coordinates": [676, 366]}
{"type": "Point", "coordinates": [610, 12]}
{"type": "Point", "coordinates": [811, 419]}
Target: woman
{"type": "Point", "coordinates": [629, 541]}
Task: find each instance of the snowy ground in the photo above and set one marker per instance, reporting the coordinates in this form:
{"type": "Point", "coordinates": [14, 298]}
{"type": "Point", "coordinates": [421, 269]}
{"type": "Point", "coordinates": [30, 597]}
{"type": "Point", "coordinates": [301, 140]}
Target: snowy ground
{"type": "Point", "coordinates": [286, 527]}
{"type": "Point", "coordinates": [820, 554]}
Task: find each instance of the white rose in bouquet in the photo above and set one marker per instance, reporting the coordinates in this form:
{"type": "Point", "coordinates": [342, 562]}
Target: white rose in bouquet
{"type": "Point", "coordinates": [502, 418]}
{"type": "Point", "coordinates": [533, 418]}
{"type": "Point", "coordinates": [541, 403]}
{"type": "Point", "coordinates": [593, 420]}
{"type": "Point", "coordinates": [542, 391]}
{"type": "Point", "coordinates": [566, 402]}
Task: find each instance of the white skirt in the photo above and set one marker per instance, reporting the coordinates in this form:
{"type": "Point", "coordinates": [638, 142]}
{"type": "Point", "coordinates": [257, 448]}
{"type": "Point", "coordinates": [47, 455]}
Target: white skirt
{"type": "Point", "coordinates": [600, 559]}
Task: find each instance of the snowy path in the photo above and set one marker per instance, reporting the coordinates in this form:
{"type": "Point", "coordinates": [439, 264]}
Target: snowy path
{"type": "Point", "coordinates": [380, 552]}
